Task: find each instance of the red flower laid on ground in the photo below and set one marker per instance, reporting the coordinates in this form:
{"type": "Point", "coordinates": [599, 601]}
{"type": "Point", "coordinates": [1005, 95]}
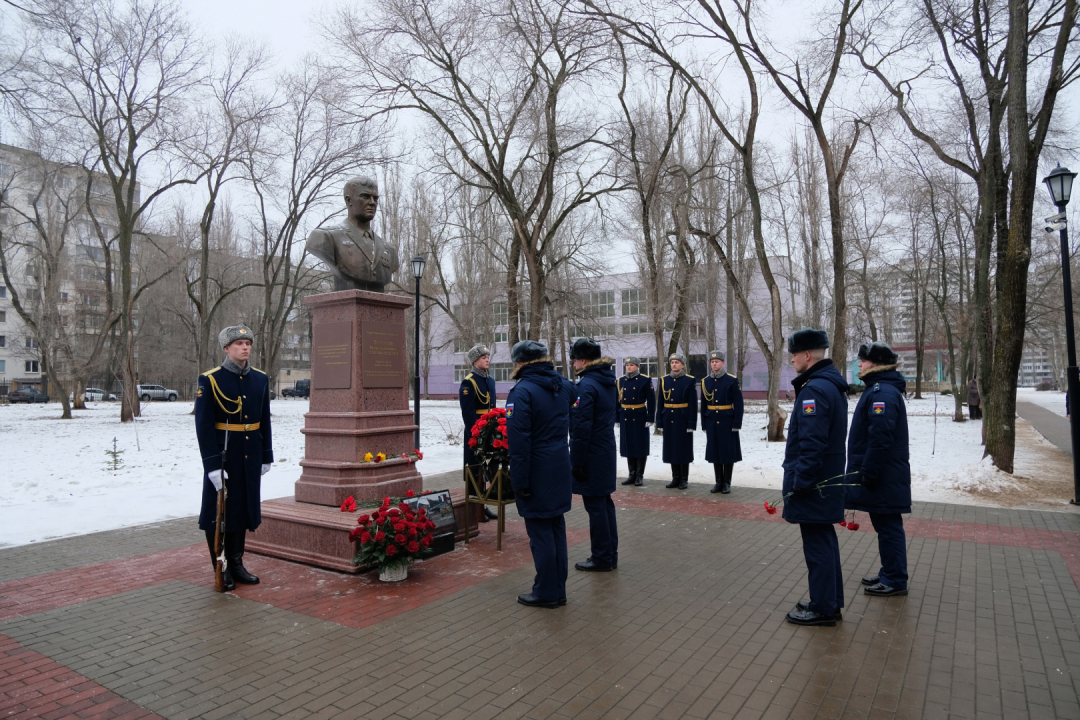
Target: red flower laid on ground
{"type": "Point", "coordinates": [843, 523]}
{"type": "Point", "coordinates": [349, 505]}
{"type": "Point", "coordinates": [419, 455]}
{"type": "Point", "coordinates": [853, 526]}
{"type": "Point", "coordinates": [410, 494]}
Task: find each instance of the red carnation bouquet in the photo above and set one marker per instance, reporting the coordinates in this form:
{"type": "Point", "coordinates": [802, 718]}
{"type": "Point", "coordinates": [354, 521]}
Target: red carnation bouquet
{"type": "Point", "coordinates": [392, 535]}
{"type": "Point", "coordinates": [489, 440]}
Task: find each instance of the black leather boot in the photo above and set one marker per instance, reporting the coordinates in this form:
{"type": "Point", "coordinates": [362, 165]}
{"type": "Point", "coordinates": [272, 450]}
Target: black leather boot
{"type": "Point", "coordinates": [631, 472]}
{"type": "Point", "coordinates": [684, 476]}
{"type": "Point", "coordinates": [718, 473]}
{"type": "Point", "coordinates": [639, 481]}
{"type": "Point", "coordinates": [226, 577]}
{"type": "Point", "coordinates": [676, 477]}
{"type": "Point", "coordinates": [234, 553]}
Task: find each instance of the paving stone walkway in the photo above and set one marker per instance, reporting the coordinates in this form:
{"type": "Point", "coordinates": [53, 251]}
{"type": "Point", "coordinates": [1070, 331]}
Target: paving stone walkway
{"type": "Point", "coordinates": [126, 625]}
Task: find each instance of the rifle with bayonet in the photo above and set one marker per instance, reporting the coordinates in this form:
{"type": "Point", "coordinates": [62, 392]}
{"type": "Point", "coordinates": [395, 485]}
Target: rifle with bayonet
{"type": "Point", "coordinates": [220, 563]}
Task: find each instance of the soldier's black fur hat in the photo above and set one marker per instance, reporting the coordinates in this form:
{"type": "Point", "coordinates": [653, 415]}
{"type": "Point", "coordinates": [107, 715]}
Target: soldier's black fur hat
{"type": "Point", "coordinates": [585, 349]}
{"type": "Point", "coordinates": [878, 353]}
{"type": "Point", "coordinates": [807, 339]}
{"type": "Point", "coordinates": [528, 351]}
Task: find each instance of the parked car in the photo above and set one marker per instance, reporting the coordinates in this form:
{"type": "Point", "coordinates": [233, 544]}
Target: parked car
{"type": "Point", "coordinates": [301, 389]}
{"type": "Point", "coordinates": [27, 395]}
{"type": "Point", "coordinates": [156, 392]}
{"type": "Point", "coordinates": [93, 395]}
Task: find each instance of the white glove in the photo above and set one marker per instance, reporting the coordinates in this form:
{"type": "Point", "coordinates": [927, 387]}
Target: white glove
{"type": "Point", "coordinates": [689, 429]}
{"type": "Point", "coordinates": [265, 468]}
{"type": "Point", "coordinates": [734, 429]}
{"type": "Point", "coordinates": [215, 479]}
{"type": "Point", "coordinates": [648, 424]}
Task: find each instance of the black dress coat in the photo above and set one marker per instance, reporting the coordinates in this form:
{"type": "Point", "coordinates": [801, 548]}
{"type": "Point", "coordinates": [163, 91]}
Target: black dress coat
{"type": "Point", "coordinates": [677, 415]}
{"type": "Point", "coordinates": [592, 429]}
{"type": "Point", "coordinates": [537, 426]}
{"type": "Point", "coordinates": [637, 406]}
{"type": "Point", "coordinates": [878, 447]}
{"type": "Point", "coordinates": [248, 450]}
{"type": "Point", "coordinates": [476, 396]}
{"type": "Point", "coordinates": [815, 447]}
{"type": "Point", "coordinates": [721, 418]}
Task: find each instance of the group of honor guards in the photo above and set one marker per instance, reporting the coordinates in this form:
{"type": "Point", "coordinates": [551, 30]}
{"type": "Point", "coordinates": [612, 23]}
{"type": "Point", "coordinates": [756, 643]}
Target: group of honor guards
{"type": "Point", "coordinates": [561, 437]}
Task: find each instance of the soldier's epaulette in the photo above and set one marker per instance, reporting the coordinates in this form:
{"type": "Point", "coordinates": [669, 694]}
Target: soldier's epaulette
{"type": "Point", "coordinates": [211, 372]}
{"type": "Point", "coordinates": [691, 376]}
{"type": "Point", "coordinates": [733, 376]}
{"type": "Point", "coordinates": [468, 377]}
{"type": "Point", "coordinates": [644, 376]}
{"type": "Point", "coordinates": [258, 370]}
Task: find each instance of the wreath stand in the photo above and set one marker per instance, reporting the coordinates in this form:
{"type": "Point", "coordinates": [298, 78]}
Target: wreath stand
{"type": "Point", "coordinates": [500, 485]}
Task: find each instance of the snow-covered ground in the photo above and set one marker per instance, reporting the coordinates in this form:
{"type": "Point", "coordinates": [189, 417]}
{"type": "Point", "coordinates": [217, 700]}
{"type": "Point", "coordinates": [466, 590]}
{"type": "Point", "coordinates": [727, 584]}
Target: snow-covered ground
{"type": "Point", "coordinates": [1049, 399]}
{"type": "Point", "coordinates": [56, 478]}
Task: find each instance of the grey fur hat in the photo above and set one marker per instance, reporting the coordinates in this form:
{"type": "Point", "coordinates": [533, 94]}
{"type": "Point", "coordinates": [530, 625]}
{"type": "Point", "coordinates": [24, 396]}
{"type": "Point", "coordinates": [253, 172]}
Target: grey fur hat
{"type": "Point", "coordinates": [677, 356]}
{"type": "Point", "coordinates": [528, 351]}
{"type": "Point", "coordinates": [631, 360]}
{"type": "Point", "coordinates": [234, 333]}
{"type": "Point", "coordinates": [476, 352]}
{"type": "Point", "coordinates": [807, 339]}
{"type": "Point", "coordinates": [717, 355]}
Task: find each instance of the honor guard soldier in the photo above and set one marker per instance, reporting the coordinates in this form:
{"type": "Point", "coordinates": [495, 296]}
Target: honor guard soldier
{"type": "Point", "coordinates": [232, 422]}
{"type": "Point", "coordinates": [815, 454]}
{"type": "Point", "coordinates": [476, 396]}
{"type": "Point", "coordinates": [592, 451]}
{"type": "Point", "coordinates": [634, 414]}
{"type": "Point", "coordinates": [537, 425]}
{"type": "Point", "coordinates": [878, 452]}
{"type": "Point", "coordinates": [677, 416]}
{"type": "Point", "coordinates": [721, 420]}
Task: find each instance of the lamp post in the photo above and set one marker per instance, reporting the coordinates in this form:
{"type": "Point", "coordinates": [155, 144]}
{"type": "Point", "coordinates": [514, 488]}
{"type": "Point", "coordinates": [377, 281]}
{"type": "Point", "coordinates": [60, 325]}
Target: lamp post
{"type": "Point", "coordinates": [1059, 183]}
{"type": "Point", "coordinates": [418, 272]}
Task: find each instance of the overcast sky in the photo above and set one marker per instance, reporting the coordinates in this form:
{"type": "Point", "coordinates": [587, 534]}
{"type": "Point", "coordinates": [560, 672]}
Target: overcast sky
{"type": "Point", "coordinates": [285, 25]}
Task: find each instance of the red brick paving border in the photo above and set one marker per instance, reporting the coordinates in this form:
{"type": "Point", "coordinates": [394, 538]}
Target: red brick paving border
{"type": "Point", "coordinates": [33, 686]}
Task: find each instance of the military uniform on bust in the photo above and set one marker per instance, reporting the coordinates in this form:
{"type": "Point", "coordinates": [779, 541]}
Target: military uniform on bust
{"type": "Point", "coordinates": [476, 396]}
{"type": "Point", "coordinates": [721, 420]}
{"type": "Point", "coordinates": [634, 414]}
{"type": "Point", "coordinates": [232, 422]}
{"type": "Point", "coordinates": [677, 416]}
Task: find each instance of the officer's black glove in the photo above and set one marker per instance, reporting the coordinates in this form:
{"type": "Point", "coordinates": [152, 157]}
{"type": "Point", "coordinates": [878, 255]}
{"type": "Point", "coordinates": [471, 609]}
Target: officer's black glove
{"type": "Point", "coordinates": [580, 474]}
{"type": "Point", "coordinates": [870, 478]}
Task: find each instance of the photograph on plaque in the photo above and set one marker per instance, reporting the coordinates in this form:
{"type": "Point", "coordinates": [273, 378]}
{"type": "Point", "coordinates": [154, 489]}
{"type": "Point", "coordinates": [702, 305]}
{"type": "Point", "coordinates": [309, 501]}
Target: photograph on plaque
{"type": "Point", "coordinates": [331, 355]}
{"type": "Point", "coordinates": [382, 352]}
{"type": "Point", "coordinates": [439, 510]}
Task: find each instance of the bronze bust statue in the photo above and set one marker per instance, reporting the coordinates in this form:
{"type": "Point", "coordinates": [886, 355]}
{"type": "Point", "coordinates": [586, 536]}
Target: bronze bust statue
{"type": "Point", "coordinates": [358, 258]}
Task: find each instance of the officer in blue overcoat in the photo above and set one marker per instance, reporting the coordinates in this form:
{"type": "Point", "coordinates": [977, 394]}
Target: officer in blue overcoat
{"type": "Point", "coordinates": [814, 473]}
{"type": "Point", "coordinates": [878, 452]}
{"type": "Point", "coordinates": [476, 395]}
{"type": "Point", "coordinates": [721, 419]}
{"type": "Point", "coordinates": [537, 426]}
{"type": "Point", "coordinates": [592, 451]}
{"type": "Point", "coordinates": [634, 414]}
{"type": "Point", "coordinates": [232, 421]}
{"type": "Point", "coordinates": [677, 416]}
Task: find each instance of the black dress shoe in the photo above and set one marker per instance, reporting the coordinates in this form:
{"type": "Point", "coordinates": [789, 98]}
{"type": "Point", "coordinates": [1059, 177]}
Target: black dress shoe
{"type": "Point", "coordinates": [683, 485]}
{"type": "Point", "coordinates": [673, 485]}
{"type": "Point", "coordinates": [726, 490]}
{"type": "Point", "coordinates": [629, 481]}
{"type": "Point", "coordinates": [240, 574]}
{"type": "Point", "coordinates": [809, 617]}
{"type": "Point", "coordinates": [880, 590]}
{"type": "Point", "coordinates": [533, 601]}
{"type": "Point", "coordinates": [590, 566]}
{"type": "Point", "coordinates": [490, 514]}
{"type": "Point", "coordinates": [871, 580]}
{"type": "Point", "coordinates": [228, 582]}
{"type": "Point", "coordinates": [639, 481]}
{"type": "Point", "coordinates": [803, 605]}
{"type": "Point", "coordinates": [562, 601]}
{"type": "Point", "coordinates": [717, 488]}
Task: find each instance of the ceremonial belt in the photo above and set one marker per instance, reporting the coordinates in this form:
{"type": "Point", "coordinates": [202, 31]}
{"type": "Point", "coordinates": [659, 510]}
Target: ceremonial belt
{"type": "Point", "coordinates": [676, 405]}
{"type": "Point", "coordinates": [719, 407]}
{"type": "Point", "coordinates": [481, 412]}
{"type": "Point", "coordinates": [633, 407]}
{"type": "Point", "coordinates": [236, 427]}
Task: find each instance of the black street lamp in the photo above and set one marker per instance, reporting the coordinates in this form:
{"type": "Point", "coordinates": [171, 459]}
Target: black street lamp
{"type": "Point", "coordinates": [418, 272]}
{"type": "Point", "coordinates": [1059, 183]}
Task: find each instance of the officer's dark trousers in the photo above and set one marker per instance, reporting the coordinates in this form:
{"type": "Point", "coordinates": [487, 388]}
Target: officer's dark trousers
{"type": "Point", "coordinates": [892, 546]}
{"type": "Point", "coordinates": [547, 540]}
{"type": "Point", "coordinates": [602, 530]}
{"type": "Point", "coordinates": [822, 552]}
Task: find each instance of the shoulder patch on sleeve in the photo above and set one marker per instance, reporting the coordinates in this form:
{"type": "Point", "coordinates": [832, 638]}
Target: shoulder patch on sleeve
{"type": "Point", "coordinates": [809, 407]}
{"type": "Point", "coordinates": [879, 407]}
{"type": "Point", "coordinates": [509, 410]}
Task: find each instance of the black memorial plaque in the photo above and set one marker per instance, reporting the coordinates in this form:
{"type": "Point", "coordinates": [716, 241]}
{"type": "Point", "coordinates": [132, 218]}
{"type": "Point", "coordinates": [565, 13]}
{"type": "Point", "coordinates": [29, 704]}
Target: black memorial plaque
{"type": "Point", "coordinates": [331, 355]}
{"type": "Point", "coordinates": [382, 352]}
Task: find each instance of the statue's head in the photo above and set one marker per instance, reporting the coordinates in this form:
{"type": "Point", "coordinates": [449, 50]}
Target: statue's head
{"type": "Point", "coordinates": [361, 197]}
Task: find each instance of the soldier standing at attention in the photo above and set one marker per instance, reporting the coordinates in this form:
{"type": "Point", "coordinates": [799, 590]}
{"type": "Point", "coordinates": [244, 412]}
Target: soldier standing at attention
{"type": "Point", "coordinates": [634, 414]}
{"type": "Point", "coordinates": [677, 416]}
{"type": "Point", "coordinates": [232, 421]}
{"type": "Point", "coordinates": [878, 451]}
{"type": "Point", "coordinates": [592, 451]}
{"type": "Point", "coordinates": [721, 419]}
{"type": "Point", "coordinates": [476, 396]}
{"type": "Point", "coordinates": [537, 425]}
{"type": "Point", "coordinates": [814, 454]}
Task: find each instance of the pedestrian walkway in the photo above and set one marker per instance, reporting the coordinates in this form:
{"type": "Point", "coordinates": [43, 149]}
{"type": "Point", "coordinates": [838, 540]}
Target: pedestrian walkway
{"type": "Point", "coordinates": [1050, 425]}
{"type": "Point", "coordinates": [126, 624]}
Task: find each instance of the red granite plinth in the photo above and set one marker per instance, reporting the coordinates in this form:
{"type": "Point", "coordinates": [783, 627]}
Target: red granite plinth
{"type": "Point", "coordinates": [319, 535]}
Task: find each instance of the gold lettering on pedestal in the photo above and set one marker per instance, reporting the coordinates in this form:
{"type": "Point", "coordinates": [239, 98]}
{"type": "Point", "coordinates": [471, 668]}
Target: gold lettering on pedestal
{"type": "Point", "coordinates": [383, 356]}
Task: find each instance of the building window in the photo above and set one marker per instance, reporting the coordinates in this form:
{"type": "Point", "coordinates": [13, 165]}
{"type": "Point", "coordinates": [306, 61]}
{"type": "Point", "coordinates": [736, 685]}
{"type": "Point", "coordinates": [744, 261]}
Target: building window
{"type": "Point", "coordinates": [3, 366]}
{"type": "Point", "coordinates": [31, 343]}
{"type": "Point", "coordinates": [32, 366]}
{"type": "Point", "coordinates": [500, 313]}
{"type": "Point", "coordinates": [3, 292]}
{"type": "Point", "coordinates": [502, 371]}
{"type": "Point", "coordinates": [647, 366]}
{"type": "Point", "coordinates": [3, 316]}
{"type": "Point", "coordinates": [3, 341]}
{"type": "Point", "coordinates": [579, 331]}
{"type": "Point", "coordinates": [31, 270]}
{"type": "Point", "coordinates": [459, 372]}
{"type": "Point", "coordinates": [502, 336]}
{"type": "Point", "coordinates": [602, 303]}
{"type": "Point", "coordinates": [63, 297]}
{"type": "Point", "coordinates": [633, 302]}
{"type": "Point", "coordinates": [635, 328]}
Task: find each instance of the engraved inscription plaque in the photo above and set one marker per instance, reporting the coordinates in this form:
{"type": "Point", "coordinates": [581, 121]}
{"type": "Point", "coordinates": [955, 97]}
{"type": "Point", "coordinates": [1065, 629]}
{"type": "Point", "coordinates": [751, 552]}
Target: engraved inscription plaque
{"type": "Point", "coordinates": [331, 355]}
{"type": "Point", "coordinates": [382, 352]}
